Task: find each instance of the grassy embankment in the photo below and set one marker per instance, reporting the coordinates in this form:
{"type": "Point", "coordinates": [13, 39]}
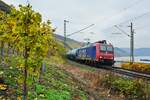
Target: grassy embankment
{"type": "Point", "coordinates": [113, 86]}
{"type": "Point", "coordinates": [58, 84]}
{"type": "Point", "coordinates": [55, 84]}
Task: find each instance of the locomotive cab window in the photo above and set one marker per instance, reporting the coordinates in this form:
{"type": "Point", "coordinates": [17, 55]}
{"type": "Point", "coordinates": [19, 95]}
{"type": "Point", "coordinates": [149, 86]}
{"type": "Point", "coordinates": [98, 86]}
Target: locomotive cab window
{"type": "Point", "coordinates": [109, 49]}
{"type": "Point", "coordinates": [103, 48]}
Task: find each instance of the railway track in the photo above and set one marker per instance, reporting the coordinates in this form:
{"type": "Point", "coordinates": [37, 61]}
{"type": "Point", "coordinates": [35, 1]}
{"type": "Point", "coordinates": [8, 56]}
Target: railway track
{"type": "Point", "coordinates": [131, 73]}
{"type": "Point", "coordinates": [126, 72]}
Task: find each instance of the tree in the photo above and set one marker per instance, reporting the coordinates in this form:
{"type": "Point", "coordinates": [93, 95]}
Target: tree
{"type": "Point", "coordinates": [33, 41]}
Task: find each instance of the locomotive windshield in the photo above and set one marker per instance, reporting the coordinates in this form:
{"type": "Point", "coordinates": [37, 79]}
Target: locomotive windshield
{"type": "Point", "coordinates": [106, 48]}
{"type": "Point", "coordinates": [109, 49]}
{"type": "Point", "coordinates": [103, 48]}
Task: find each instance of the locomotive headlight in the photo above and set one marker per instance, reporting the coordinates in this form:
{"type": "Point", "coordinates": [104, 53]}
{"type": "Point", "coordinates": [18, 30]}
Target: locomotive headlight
{"type": "Point", "coordinates": [100, 57]}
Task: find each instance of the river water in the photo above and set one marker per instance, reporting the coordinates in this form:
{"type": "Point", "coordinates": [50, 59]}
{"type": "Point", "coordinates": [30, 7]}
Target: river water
{"type": "Point", "coordinates": [136, 58]}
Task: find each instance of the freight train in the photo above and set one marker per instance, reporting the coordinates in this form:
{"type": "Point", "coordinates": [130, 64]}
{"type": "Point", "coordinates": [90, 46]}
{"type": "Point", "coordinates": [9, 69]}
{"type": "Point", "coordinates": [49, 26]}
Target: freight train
{"type": "Point", "coordinates": [98, 53]}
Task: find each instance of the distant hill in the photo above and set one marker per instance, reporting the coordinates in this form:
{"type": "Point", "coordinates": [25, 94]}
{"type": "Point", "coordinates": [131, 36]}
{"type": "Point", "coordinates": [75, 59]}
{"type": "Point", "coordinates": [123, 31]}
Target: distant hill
{"type": "Point", "coordinates": [137, 52]}
{"type": "Point", "coordinates": [4, 7]}
{"type": "Point", "coordinates": [70, 43]}
{"type": "Point", "coordinates": [142, 52]}
{"type": "Point", "coordinates": [119, 52]}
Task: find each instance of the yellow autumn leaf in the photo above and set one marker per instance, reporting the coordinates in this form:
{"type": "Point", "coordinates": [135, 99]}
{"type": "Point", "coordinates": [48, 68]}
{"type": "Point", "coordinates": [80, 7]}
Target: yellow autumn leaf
{"type": "Point", "coordinates": [19, 98]}
{"type": "Point", "coordinates": [3, 87]}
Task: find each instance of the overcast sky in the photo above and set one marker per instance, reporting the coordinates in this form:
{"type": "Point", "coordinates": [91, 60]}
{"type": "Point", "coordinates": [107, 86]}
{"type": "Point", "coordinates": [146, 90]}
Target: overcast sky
{"type": "Point", "coordinates": [104, 14]}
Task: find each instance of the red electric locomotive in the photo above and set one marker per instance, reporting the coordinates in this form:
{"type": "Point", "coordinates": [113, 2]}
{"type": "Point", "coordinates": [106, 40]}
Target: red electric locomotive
{"type": "Point", "coordinates": [104, 52]}
{"type": "Point", "coordinates": [98, 52]}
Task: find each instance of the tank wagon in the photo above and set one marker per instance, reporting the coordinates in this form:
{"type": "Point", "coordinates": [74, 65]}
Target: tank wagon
{"type": "Point", "coordinates": [72, 54]}
{"type": "Point", "coordinates": [98, 53]}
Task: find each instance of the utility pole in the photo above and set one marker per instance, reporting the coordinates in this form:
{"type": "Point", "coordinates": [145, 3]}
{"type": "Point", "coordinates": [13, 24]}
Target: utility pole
{"type": "Point", "coordinates": [131, 44]}
{"type": "Point", "coordinates": [65, 21]}
{"type": "Point", "coordinates": [131, 41]}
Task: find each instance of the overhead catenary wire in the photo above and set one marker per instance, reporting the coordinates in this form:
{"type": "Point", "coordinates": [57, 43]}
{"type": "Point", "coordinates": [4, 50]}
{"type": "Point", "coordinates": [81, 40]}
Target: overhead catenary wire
{"type": "Point", "coordinates": [80, 30]}
{"type": "Point", "coordinates": [122, 31]}
{"type": "Point", "coordinates": [135, 18]}
{"type": "Point", "coordinates": [141, 28]}
{"type": "Point", "coordinates": [123, 10]}
{"type": "Point", "coordinates": [132, 19]}
{"type": "Point", "coordinates": [128, 7]}
{"type": "Point", "coordinates": [132, 5]}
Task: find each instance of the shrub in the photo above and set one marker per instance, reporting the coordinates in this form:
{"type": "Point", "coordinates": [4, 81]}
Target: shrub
{"type": "Point", "coordinates": [125, 65]}
{"type": "Point", "coordinates": [131, 89]}
{"type": "Point", "coordinates": [137, 66]}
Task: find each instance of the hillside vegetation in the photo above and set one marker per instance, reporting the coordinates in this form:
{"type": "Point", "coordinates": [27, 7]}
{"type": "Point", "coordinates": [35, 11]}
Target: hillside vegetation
{"type": "Point", "coordinates": [26, 44]}
{"type": "Point", "coordinates": [33, 65]}
{"type": "Point", "coordinates": [70, 43]}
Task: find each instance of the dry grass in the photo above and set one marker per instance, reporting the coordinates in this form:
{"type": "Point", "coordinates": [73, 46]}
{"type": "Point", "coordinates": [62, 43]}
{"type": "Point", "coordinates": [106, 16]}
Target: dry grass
{"type": "Point", "coordinates": [96, 81]}
{"type": "Point", "coordinates": [76, 98]}
{"type": "Point", "coordinates": [93, 78]}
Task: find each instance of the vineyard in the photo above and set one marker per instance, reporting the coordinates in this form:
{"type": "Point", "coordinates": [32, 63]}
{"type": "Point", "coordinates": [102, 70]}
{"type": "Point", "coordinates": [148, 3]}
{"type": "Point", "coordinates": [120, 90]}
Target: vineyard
{"type": "Point", "coordinates": [34, 64]}
{"type": "Point", "coordinates": [26, 45]}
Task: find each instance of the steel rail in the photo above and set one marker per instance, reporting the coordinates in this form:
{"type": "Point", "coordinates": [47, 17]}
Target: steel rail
{"type": "Point", "coordinates": [119, 70]}
{"type": "Point", "coordinates": [131, 73]}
